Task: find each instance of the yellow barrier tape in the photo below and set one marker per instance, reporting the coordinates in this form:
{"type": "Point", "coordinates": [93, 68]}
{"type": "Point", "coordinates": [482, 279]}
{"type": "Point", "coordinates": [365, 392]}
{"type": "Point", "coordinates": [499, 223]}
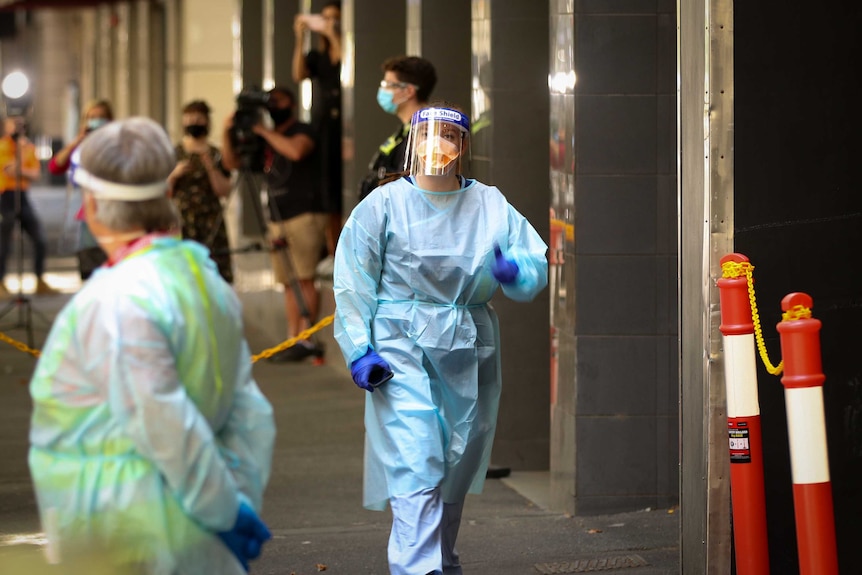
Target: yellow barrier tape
{"type": "Point", "coordinates": [19, 345]}
{"type": "Point", "coordinates": [305, 334]}
{"type": "Point", "coordinates": [734, 270]}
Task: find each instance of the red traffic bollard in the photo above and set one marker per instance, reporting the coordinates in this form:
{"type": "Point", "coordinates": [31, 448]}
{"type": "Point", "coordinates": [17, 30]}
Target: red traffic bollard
{"type": "Point", "coordinates": [743, 424]}
{"type": "Point", "coordinates": [806, 426]}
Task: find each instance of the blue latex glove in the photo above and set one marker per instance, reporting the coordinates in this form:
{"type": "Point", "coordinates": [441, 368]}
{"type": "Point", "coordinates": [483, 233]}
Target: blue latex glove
{"type": "Point", "coordinates": [505, 271]}
{"type": "Point", "coordinates": [370, 370]}
{"type": "Point", "coordinates": [247, 536]}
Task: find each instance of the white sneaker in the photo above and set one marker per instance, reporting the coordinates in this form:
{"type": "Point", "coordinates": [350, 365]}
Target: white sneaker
{"type": "Point", "coordinates": [325, 268]}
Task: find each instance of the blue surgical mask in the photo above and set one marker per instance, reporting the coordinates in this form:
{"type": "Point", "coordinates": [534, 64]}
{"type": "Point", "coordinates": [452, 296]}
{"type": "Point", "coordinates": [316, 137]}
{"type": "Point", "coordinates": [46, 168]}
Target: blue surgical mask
{"type": "Point", "coordinates": [94, 123]}
{"type": "Point", "coordinates": [385, 99]}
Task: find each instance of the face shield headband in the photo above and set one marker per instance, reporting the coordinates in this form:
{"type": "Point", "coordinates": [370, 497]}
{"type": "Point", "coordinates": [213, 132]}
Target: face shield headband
{"type": "Point", "coordinates": [114, 191]}
{"type": "Point", "coordinates": [437, 141]}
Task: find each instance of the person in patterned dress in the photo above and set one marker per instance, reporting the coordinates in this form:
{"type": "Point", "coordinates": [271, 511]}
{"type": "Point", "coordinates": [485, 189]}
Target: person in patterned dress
{"type": "Point", "coordinates": [198, 183]}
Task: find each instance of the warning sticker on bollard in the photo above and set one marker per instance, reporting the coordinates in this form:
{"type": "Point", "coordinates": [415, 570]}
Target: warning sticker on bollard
{"type": "Point", "coordinates": [740, 448]}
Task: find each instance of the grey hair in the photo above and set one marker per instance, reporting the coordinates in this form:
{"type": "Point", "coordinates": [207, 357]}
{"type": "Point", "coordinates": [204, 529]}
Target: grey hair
{"type": "Point", "coordinates": [132, 151]}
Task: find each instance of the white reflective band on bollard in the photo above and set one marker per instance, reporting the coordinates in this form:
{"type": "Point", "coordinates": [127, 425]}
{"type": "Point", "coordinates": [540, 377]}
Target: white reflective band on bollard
{"type": "Point", "coordinates": [806, 428]}
{"type": "Point", "coordinates": [741, 376]}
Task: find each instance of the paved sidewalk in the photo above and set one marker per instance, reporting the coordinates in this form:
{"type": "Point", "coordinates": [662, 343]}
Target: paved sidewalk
{"type": "Point", "coordinates": [313, 501]}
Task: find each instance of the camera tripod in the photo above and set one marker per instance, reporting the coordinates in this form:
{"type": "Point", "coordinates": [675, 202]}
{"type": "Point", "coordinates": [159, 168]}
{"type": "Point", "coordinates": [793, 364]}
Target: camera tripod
{"type": "Point", "coordinates": [20, 301]}
{"type": "Point", "coordinates": [247, 183]}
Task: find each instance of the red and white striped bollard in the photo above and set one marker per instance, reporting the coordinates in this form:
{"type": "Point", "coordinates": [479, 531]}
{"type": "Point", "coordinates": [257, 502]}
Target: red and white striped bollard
{"type": "Point", "coordinates": [743, 424]}
{"type": "Point", "coordinates": [806, 426]}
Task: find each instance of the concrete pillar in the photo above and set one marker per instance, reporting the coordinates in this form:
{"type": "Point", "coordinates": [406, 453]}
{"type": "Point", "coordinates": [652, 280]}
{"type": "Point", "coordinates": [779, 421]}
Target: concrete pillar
{"type": "Point", "coordinates": [251, 44]}
{"type": "Point", "coordinates": [141, 73]}
{"type": "Point", "coordinates": [123, 53]}
{"type": "Point", "coordinates": [283, 41]}
{"type": "Point", "coordinates": [89, 46]}
{"type": "Point", "coordinates": [615, 417]}
{"type": "Point", "coordinates": [445, 39]}
{"type": "Point", "coordinates": [368, 41]}
{"type": "Point", "coordinates": [157, 63]}
{"type": "Point", "coordinates": [104, 57]}
{"type": "Point", "coordinates": [207, 60]}
{"type": "Point", "coordinates": [56, 65]}
{"type": "Point", "coordinates": [510, 49]}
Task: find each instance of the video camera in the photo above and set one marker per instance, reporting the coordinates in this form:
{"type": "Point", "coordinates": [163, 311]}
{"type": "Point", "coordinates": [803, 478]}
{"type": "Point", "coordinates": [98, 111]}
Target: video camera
{"type": "Point", "coordinates": [251, 103]}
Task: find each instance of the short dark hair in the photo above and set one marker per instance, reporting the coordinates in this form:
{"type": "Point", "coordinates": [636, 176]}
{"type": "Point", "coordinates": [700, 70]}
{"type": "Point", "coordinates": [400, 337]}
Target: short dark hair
{"type": "Point", "coordinates": [331, 4]}
{"type": "Point", "coordinates": [197, 107]}
{"type": "Point", "coordinates": [414, 70]}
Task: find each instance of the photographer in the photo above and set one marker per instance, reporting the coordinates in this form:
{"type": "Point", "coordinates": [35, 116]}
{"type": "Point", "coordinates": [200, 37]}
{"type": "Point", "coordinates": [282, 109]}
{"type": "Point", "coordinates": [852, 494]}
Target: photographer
{"type": "Point", "coordinates": [18, 169]}
{"type": "Point", "coordinates": [95, 115]}
{"type": "Point", "coordinates": [288, 158]}
{"type": "Point", "coordinates": [198, 183]}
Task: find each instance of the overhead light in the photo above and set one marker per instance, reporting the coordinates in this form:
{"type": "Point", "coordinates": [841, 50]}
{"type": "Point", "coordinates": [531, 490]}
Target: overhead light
{"type": "Point", "coordinates": [16, 93]}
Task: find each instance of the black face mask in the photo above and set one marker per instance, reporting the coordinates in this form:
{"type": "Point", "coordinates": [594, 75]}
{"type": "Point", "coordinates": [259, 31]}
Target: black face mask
{"type": "Point", "coordinates": [196, 130]}
{"type": "Point", "coordinates": [280, 115]}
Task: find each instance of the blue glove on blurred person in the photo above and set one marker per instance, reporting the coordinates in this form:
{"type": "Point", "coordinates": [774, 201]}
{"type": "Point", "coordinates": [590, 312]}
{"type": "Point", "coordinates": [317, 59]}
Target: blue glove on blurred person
{"type": "Point", "coordinates": [370, 370]}
{"type": "Point", "coordinates": [505, 271]}
{"type": "Point", "coordinates": [247, 536]}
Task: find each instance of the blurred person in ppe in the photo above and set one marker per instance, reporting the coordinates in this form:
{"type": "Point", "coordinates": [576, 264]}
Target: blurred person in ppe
{"type": "Point", "coordinates": [322, 65]}
{"type": "Point", "coordinates": [95, 115]}
{"type": "Point", "coordinates": [150, 442]}
{"type": "Point", "coordinates": [19, 168]}
{"type": "Point", "coordinates": [415, 269]}
{"type": "Point", "coordinates": [198, 183]}
{"type": "Point", "coordinates": [405, 88]}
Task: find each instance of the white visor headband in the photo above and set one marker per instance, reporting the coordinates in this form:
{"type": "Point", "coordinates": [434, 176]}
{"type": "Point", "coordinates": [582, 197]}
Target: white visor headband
{"type": "Point", "coordinates": [114, 191]}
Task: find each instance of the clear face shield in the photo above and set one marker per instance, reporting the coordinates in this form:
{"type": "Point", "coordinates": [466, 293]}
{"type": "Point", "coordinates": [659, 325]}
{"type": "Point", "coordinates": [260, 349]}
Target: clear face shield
{"type": "Point", "coordinates": [437, 142]}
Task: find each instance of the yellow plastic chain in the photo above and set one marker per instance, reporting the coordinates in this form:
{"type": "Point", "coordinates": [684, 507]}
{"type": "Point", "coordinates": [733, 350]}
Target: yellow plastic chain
{"type": "Point", "coordinates": [19, 346]}
{"type": "Point", "coordinates": [305, 334]}
{"type": "Point", "coordinates": [734, 270]}
{"type": "Point", "coordinates": [797, 312]}
{"type": "Point", "coordinates": [262, 355]}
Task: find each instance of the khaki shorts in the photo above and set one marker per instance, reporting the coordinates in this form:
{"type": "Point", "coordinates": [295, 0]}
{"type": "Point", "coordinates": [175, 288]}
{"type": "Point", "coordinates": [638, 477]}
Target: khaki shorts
{"type": "Point", "coordinates": [306, 239]}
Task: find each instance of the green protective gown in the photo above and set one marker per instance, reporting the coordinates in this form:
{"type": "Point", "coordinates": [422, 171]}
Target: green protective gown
{"type": "Point", "coordinates": [148, 428]}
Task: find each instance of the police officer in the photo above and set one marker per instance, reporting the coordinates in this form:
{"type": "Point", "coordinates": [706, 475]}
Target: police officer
{"type": "Point", "coordinates": [406, 86]}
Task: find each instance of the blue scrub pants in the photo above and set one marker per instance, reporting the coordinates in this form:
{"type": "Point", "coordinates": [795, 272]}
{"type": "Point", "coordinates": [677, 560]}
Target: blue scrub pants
{"type": "Point", "coordinates": [424, 530]}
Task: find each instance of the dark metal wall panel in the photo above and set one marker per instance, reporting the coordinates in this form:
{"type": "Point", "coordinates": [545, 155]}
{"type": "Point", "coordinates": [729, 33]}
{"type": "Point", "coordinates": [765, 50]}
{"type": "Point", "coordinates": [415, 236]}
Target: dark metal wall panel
{"type": "Point", "coordinates": [798, 217]}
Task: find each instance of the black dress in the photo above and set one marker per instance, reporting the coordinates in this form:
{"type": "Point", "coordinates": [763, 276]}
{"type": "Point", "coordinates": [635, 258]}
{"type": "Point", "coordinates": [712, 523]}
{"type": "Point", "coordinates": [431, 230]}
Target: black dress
{"type": "Point", "coordinates": [326, 120]}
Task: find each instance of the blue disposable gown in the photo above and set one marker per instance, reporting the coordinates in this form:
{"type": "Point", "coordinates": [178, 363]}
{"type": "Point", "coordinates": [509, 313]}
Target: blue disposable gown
{"type": "Point", "coordinates": [412, 280]}
{"type": "Point", "coordinates": [148, 428]}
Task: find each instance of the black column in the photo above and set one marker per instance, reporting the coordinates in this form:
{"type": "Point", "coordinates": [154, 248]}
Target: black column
{"type": "Point", "coordinates": [446, 33]}
{"type": "Point", "coordinates": [510, 66]}
{"type": "Point", "coordinates": [251, 44]}
{"type": "Point", "coordinates": [375, 32]}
